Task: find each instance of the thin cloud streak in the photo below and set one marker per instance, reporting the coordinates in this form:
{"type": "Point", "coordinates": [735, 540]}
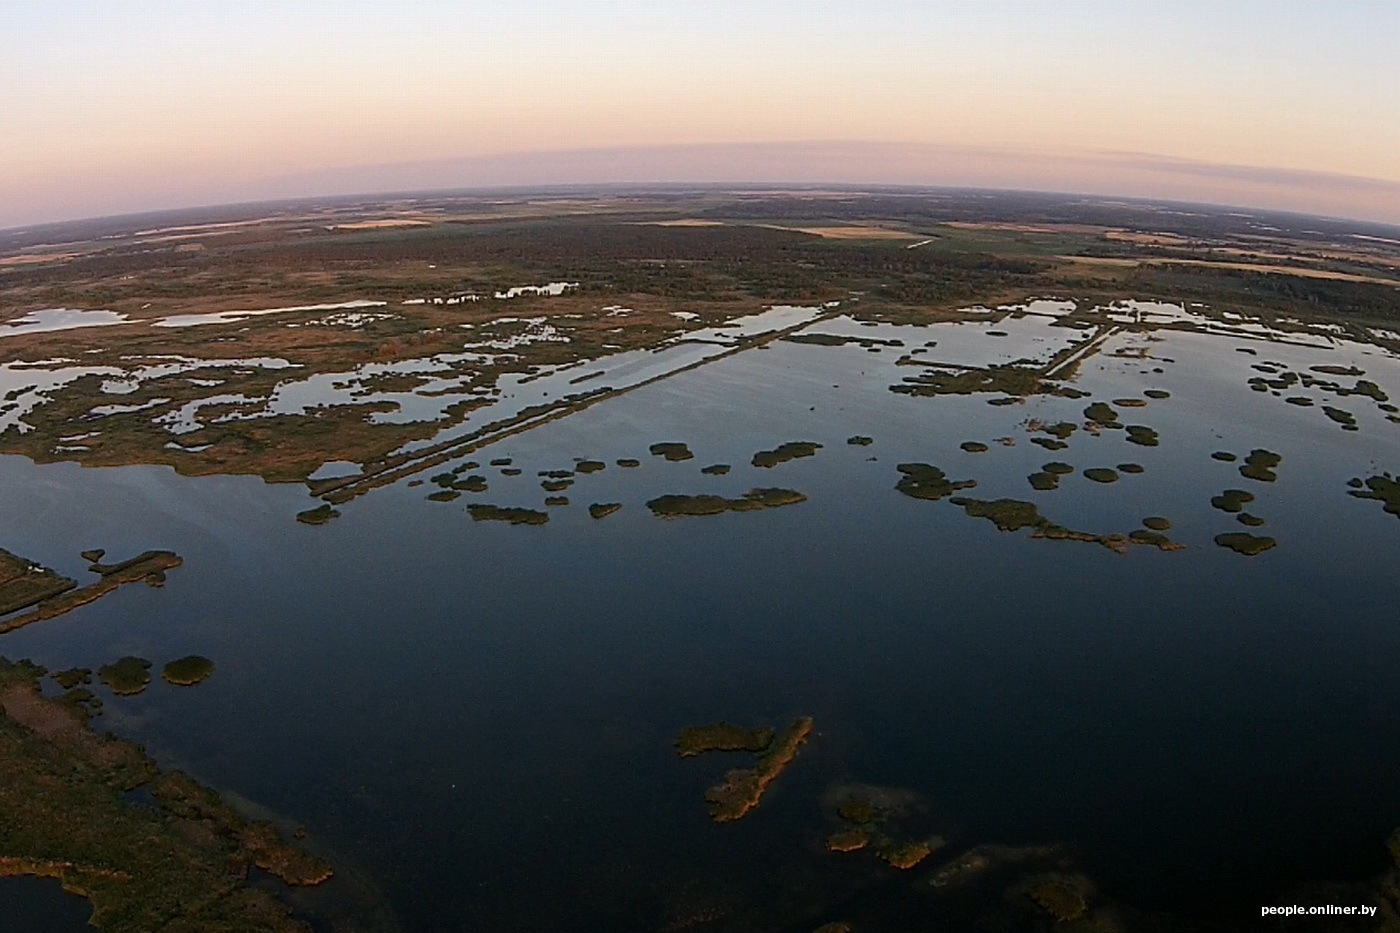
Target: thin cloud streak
{"type": "Point", "coordinates": [855, 163]}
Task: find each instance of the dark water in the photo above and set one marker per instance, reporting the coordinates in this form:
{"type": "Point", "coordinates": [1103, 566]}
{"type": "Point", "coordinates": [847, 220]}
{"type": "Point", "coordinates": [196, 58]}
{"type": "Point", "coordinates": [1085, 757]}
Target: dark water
{"type": "Point", "coordinates": [40, 905]}
{"type": "Point", "coordinates": [478, 718]}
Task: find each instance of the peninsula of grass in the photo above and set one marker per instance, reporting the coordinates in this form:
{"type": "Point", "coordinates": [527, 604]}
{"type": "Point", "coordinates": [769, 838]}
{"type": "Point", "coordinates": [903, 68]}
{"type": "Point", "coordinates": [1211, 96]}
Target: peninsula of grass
{"type": "Point", "coordinates": [515, 516]}
{"type": "Point", "coordinates": [785, 452]}
{"type": "Point", "coordinates": [24, 583]}
{"type": "Point", "coordinates": [722, 737]}
{"type": "Point", "coordinates": [741, 790]}
{"type": "Point", "coordinates": [66, 814]}
{"type": "Point", "coordinates": [922, 481]}
{"type": "Point", "coordinates": [670, 506]}
{"type": "Point", "coordinates": [148, 567]}
{"type": "Point", "coordinates": [187, 671]}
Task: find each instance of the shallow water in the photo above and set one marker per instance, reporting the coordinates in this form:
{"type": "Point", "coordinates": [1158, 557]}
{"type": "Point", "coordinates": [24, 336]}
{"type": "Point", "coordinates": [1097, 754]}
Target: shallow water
{"type": "Point", "coordinates": [479, 716]}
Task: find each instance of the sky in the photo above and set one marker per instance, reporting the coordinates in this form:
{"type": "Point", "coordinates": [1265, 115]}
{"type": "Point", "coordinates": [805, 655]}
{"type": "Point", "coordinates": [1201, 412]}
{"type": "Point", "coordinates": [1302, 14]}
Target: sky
{"type": "Point", "coordinates": [114, 106]}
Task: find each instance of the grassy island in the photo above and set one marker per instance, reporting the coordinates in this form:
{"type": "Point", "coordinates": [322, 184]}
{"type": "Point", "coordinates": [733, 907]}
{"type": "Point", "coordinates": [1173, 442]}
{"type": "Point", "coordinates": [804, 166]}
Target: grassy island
{"type": "Point", "coordinates": [741, 790]}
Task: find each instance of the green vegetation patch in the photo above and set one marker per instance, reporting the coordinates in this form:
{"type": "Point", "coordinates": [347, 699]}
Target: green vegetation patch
{"type": "Point", "coordinates": [1131, 468]}
{"type": "Point", "coordinates": [1157, 523]}
{"type": "Point", "coordinates": [741, 790]}
{"type": "Point", "coordinates": [1340, 415]}
{"type": "Point", "coordinates": [1224, 456]}
{"type": "Point", "coordinates": [905, 855]}
{"type": "Point", "coordinates": [722, 737]}
{"type": "Point", "coordinates": [590, 466]}
{"type": "Point", "coordinates": [1232, 500]}
{"type": "Point", "coordinates": [923, 481]}
{"type": "Point", "coordinates": [64, 814]}
{"type": "Point", "coordinates": [860, 440]}
{"type": "Point", "coordinates": [1243, 543]}
{"type": "Point", "coordinates": [715, 469]}
{"type": "Point", "coordinates": [73, 677]}
{"type": "Point", "coordinates": [1259, 465]}
{"type": "Point", "coordinates": [1246, 518]}
{"type": "Point", "coordinates": [556, 500]}
{"type": "Point", "coordinates": [1102, 414]}
{"type": "Point", "coordinates": [24, 583]}
{"type": "Point", "coordinates": [1056, 466]}
{"type": "Point", "coordinates": [670, 506]}
{"type": "Point", "coordinates": [1049, 443]}
{"type": "Point", "coordinates": [1015, 514]}
{"type": "Point", "coordinates": [670, 450]}
{"type": "Point", "coordinates": [1043, 482]}
{"type": "Point", "coordinates": [785, 452]}
{"type": "Point", "coordinates": [974, 447]}
{"type": "Point", "coordinates": [1382, 488]}
{"type": "Point", "coordinates": [1143, 435]}
{"type": "Point", "coordinates": [1101, 475]}
{"type": "Point", "coordinates": [126, 676]}
{"type": "Point", "coordinates": [515, 516]}
{"type": "Point", "coordinates": [629, 462]}
{"type": "Point", "coordinates": [188, 671]}
{"type": "Point", "coordinates": [603, 509]}
{"type": "Point", "coordinates": [1157, 393]}
{"type": "Point", "coordinates": [443, 495]}
{"type": "Point", "coordinates": [319, 515]}
{"type": "Point", "coordinates": [1063, 902]}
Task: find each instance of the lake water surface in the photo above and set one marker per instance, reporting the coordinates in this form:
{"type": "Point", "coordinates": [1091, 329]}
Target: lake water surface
{"type": "Point", "coordinates": [475, 720]}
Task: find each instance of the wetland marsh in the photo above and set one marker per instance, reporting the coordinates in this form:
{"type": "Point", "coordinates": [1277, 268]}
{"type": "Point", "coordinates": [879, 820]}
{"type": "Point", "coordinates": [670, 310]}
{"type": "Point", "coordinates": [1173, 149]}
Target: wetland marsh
{"type": "Point", "coordinates": [448, 619]}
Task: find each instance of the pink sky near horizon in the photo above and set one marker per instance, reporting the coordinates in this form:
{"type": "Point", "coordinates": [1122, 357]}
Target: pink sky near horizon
{"type": "Point", "coordinates": [123, 106]}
